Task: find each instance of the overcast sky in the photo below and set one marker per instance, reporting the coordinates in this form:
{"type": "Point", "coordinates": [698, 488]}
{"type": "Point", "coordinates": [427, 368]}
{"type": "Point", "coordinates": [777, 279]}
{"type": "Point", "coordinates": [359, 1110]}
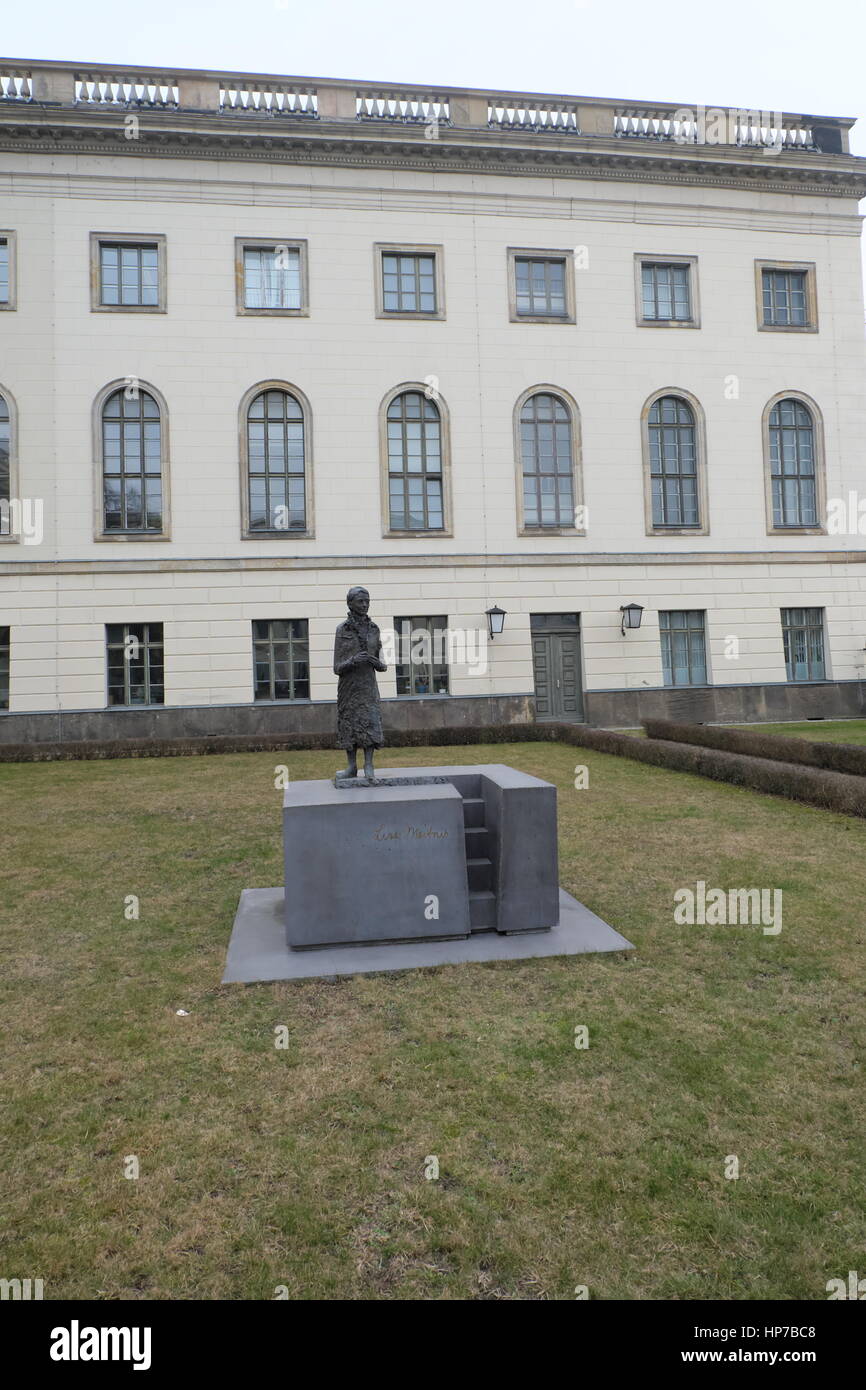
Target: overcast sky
{"type": "Point", "coordinates": [797, 56]}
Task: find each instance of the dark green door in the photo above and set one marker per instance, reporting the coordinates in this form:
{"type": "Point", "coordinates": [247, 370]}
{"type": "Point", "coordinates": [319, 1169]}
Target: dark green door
{"type": "Point", "coordinates": [556, 663]}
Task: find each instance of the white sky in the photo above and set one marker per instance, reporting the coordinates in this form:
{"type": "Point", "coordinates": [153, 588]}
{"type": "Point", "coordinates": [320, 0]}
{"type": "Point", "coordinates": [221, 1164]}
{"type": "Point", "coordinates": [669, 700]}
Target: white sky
{"type": "Point", "coordinates": [798, 56]}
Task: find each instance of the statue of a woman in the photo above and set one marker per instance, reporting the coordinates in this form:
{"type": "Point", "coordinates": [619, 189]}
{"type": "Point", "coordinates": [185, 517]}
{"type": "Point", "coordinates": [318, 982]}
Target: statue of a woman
{"type": "Point", "coordinates": [356, 661]}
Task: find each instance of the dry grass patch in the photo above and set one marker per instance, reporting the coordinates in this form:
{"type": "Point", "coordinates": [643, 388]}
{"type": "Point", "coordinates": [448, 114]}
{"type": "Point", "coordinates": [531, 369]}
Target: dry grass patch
{"type": "Point", "coordinates": [305, 1167]}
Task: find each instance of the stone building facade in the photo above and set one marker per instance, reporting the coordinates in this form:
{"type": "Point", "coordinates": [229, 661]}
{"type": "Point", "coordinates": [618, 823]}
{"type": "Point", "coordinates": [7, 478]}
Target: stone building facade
{"type": "Point", "coordinates": [262, 338]}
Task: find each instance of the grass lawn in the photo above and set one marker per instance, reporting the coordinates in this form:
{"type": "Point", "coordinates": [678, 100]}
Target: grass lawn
{"type": "Point", "coordinates": [304, 1167]}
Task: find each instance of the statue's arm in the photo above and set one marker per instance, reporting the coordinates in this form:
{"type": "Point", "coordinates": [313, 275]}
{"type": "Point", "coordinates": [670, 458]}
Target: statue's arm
{"type": "Point", "coordinates": [344, 656]}
{"type": "Point", "coordinates": [376, 661]}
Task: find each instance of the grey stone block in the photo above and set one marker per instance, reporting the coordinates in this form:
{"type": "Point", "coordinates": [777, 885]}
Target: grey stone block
{"type": "Point", "coordinates": [516, 831]}
{"type": "Point", "coordinates": [363, 864]}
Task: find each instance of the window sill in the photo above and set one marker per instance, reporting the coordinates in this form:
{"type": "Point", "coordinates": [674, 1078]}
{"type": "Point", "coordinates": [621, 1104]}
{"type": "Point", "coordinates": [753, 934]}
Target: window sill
{"type": "Point", "coordinates": [668, 323]}
{"type": "Point", "coordinates": [243, 313]}
{"type": "Point", "coordinates": [128, 309]}
{"type": "Point", "coordinates": [131, 709]}
{"type": "Point", "coordinates": [282, 534]}
{"type": "Point", "coordinates": [132, 536]}
{"type": "Point", "coordinates": [551, 531]}
{"type": "Point", "coordinates": [438, 316]}
{"type": "Point", "coordinates": [299, 700]}
{"type": "Point", "coordinates": [543, 318]}
{"type": "Point", "coordinates": [787, 328]}
{"type": "Point", "coordinates": [412, 535]}
{"type": "Point", "coordinates": [679, 531]}
{"type": "Point", "coordinates": [796, 531]}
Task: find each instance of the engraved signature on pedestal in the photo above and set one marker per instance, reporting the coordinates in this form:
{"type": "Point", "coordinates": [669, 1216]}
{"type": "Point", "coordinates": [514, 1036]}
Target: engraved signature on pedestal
{"type": "Point", "coordinates": [410, 832]}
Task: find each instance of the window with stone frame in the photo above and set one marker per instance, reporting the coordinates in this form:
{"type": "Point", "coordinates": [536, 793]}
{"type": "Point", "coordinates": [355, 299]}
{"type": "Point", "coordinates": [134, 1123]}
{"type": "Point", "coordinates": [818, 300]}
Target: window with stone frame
{"type": "Point", "coordinates": [415, 478]}
{"type": "Point", "coordinates": [803, 639]}
{"type": "Point", "coordinates": [422, 656]}
{"type": "Point", "coordinates": [793, 476]}
{"type": "Point", "coordinates": [4, 667]}
{"type": "Point", "coordinates": [673, 463]}
{"type": "Point", "coordinates": [132, 456]}
{"type": "Point", "coordinates": [281, 659]}
{"type": "Point", "coordinates": [135, 664]}
{"type": "Point", "coordinates": [684, 650]}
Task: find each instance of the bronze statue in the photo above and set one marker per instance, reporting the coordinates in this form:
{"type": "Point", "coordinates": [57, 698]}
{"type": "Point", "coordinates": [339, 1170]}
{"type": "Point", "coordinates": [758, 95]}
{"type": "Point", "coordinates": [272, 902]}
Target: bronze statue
{"type": "Point", "coordinates": [356, 661]}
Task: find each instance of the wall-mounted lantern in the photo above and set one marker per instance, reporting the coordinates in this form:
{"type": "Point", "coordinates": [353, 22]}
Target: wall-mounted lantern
{"type": "Point", "coordinates": [495, 620]}
{"type": "Point", "coordinates": [631, 616]}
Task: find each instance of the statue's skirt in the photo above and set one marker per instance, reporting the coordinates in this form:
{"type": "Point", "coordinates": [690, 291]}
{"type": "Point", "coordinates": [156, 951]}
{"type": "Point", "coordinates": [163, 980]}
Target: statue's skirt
{"type": "Point", "coordinates": [359, 717]}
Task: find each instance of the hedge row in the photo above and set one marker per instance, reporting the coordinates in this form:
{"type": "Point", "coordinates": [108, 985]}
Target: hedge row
{"type": "Point", "coordinates": [259, 743]}
{"type": "Point", "coordinates": [834, 791]}
{"type": "Point", "coordinates": [836, 757]}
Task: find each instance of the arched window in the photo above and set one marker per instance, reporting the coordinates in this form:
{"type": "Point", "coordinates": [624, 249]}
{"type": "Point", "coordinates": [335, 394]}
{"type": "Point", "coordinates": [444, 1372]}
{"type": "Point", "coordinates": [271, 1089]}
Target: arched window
{"type": "Point", "coordinates": [415, 463]}
{"type": "Point", "coordinates": [793, 464]}
{"type": "Point", "coordinates": [547, 461]}
{"type": "Point", "coordinates": [276, 462]}
{"type": "Point", "coordinates": [673, 459]}
{"type": "Point", "coordinates": [132, 463]}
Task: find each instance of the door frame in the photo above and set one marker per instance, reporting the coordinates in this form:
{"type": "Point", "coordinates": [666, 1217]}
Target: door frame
{"type": "Point", "coordinates": [562, 631]}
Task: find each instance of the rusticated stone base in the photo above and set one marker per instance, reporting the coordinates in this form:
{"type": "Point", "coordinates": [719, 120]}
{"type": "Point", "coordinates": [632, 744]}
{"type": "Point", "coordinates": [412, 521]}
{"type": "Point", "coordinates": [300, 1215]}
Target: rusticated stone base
{"type": "Point", "coordinates": [192, 729]}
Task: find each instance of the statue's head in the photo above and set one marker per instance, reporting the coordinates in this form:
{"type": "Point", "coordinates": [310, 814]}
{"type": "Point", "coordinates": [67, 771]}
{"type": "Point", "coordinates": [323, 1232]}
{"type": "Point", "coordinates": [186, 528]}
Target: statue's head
{"type": "Point", "coordinates": [358, 600]}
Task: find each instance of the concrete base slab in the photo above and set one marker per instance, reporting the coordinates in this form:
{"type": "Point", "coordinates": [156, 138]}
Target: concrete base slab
{"type": "Point", "coordinates": [257, 949]}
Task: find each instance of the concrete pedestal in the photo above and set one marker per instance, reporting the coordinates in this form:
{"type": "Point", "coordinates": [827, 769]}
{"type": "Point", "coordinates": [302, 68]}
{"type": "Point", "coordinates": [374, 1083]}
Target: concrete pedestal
{"type": "Point", "coordinates": [428, 866]}
{"type": "Point", "coordinates": [370, 864]}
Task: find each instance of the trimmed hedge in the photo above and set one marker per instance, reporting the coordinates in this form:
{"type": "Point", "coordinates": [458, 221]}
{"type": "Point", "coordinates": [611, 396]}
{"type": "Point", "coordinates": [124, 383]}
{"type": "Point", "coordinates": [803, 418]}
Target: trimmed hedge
{"type": "Point", "coordinates": [836, 757]}
{"type": "Point", "coordinates": [833, 791]}
{"type": "Point", "coordinates": [259, 743]}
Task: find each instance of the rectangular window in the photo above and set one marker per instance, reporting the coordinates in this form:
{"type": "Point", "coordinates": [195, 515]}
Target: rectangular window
{"type": "Point", "coordinates": [665, 292]}
{"type": "Point", "coordinates": [803, 636]}
{"type": "Point", "coordinates": [135, 664]}
{"type": "Point", "coordinates": [129, 275]}
{"type": "Point", "coordinates": [271, 277]}
{"type": "Point", "coordinates": [539, 287]}
{"type": "Point", "coordinates": [408, 284]}
{"type": "Point", "coordinates": [281, 659]}
{"type": "Point", "coordinates": [684, 655]}
{"type": "Point", "coordinates": [409, 281]}
{"type": "Point", "coordinates": [4, 667]}
{"type": "Point", "coordinates": [422, 656]}
{"type": "Point", "coordinates": [4, 271]}
{"type": "Point", "coordinates": [786, 296]}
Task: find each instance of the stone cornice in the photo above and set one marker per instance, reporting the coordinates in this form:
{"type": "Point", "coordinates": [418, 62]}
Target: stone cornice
{"type": "Point", "coordinates": [40, 128]}
{"type": "Point", "coordinates": [234, 563]}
